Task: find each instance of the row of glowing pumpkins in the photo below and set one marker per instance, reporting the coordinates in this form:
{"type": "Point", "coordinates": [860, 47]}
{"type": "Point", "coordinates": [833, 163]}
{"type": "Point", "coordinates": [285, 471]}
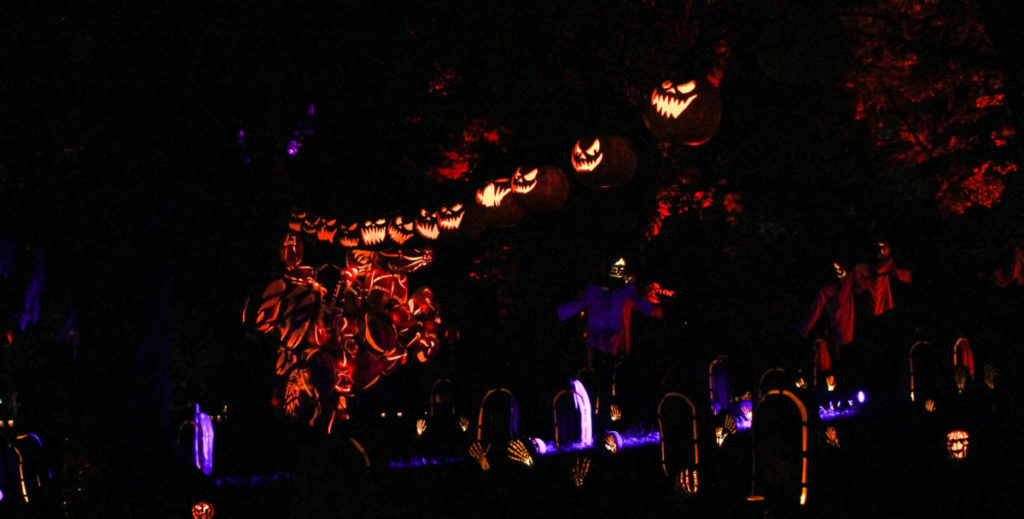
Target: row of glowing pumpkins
{"type": "Point", "coordinates": [687, 113]}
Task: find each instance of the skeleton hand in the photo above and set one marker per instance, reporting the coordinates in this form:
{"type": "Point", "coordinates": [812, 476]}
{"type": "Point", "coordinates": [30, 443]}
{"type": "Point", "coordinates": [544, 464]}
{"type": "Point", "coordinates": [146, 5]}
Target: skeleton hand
{"type": "Point", "coordinates": [479, 453]}
{"type": "Point", "coordinates": [611, 443]}
{"type": "Point", "coordinates": [832, 437]}
{"type": "Point", "coordinates": [579, 471]}
{"type": "Point", "coordinates": [421, 426]}
{"type": "Point", "coordinates": [463, 423]}
{"type": "Point", "coordinates": [614, 413]}
{"type": "Point", "coordinates": [517, 452]}
{"type": "Point", "coordinates": [730, 424]}
{"type": "Point", "coordinates": [687, 481]}
{"type": "Point", "coordinates": [929, 405]}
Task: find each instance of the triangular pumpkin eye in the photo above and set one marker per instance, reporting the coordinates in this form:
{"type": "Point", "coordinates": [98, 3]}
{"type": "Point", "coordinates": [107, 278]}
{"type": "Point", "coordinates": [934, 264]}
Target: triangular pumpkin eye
{"type": "Point", "coordinates": [686, 88]}
{"type": "Point", "coordinates": [577, 150]}
{"type": "Point", "coordinates": [595, 148]}
{"type": "Point", "coordinates": [457, 207]}
{"type": "Point", "coordinates": [531, 175]}
{"type": "Point", "coordinates": [424, 213]}
{"type": "Point", "coordinates": [353, 226]}
{"type": "Point", "coordinates": [667, 85]}
{"type": "Point", "coordinates": [367, 223]}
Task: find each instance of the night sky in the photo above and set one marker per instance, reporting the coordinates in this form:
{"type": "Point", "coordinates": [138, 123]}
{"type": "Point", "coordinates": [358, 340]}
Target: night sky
{"type": "Point", "coordinates": [144, 152]}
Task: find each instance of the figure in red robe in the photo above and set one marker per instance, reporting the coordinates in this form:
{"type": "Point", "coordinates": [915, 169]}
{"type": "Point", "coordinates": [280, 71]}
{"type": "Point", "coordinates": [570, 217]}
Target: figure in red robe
{"type": "Point", "coordinates": [874, 279]}
{"type": "Point", "coordinates": [836, 300]}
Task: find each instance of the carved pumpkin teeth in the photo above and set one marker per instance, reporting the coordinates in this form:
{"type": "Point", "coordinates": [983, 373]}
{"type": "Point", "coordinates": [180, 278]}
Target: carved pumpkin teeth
{"type": "Point", "coordinates": [492, 194]}
{"type": "Point", "coordinates": [400, 232]}
{"type": "Point", "coordinates": [373, 232]}
{"type": "Point", "coordinates": [670, 107]}
{"type": "Point", "coordinates": [428, 230]}
{"type": "Point", "coordinates": [451, 218]}
{"type": "Point", "coordinates": [584, 164]}
{"type": "Point", "coordinates": [523, 183]}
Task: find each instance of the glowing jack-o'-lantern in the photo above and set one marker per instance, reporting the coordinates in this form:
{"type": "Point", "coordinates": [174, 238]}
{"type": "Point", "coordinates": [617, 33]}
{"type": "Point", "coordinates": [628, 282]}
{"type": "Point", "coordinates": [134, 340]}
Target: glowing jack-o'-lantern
{"type": "Point", "coordinates": [426, 225]}
{"type": "Point", "coordinates": [401, 231]}
{"type": "Point", "coordinates": [494, 192]}
{"type": "Point", "coordinates": [327, 230]}
{"type": "Point", "coordinates": [688, 113]}
{"type": "Point", "coordinates": [956, 443]}
{"type": "Point", "coordinates": [604, 161]}
{"type": "Point", "coordinates": [348, 236]}
{"type": "Point", "coordinates": [202, 510]}
{"type": "Point", "coordinates": [450, 217]}
{"type": "Point", "coordinates": [549, 189]}
{"type": "Point", "coordinates": [373, 231]}
{"type": "Point", "coordinates": [524, 180]}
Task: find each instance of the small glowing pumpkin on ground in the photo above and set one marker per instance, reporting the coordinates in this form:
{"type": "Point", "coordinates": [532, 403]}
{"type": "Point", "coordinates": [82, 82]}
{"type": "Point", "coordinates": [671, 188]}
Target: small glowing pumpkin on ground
{"type": "Point", "coordinates": [957, 442]}
{"type": "Point", "coordinates": [687, 112]}
{"type": "Point", "coordinates": [202, 510]}
{"type": "Point", "coordinates": [604, 161]}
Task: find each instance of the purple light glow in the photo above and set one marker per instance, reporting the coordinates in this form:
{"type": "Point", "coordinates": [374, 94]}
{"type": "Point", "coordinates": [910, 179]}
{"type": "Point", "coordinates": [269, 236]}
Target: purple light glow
{"type": "Point", "coordinates": [424, 462]}
{"type": "Point", "coordinates": [840, 408]}
{"type": "Point", "coordinates": [35, 288]}
{"type": "Point", "coordinates": [303, 129]}
{"type": "Point", "coordinates": [202, 446]}
{"type": "Point", "coordinates": [582, 401]}
{"type": "Point", "coordinates": [252, 481]}
{"type": "Point", "coordinates": [861, 397]}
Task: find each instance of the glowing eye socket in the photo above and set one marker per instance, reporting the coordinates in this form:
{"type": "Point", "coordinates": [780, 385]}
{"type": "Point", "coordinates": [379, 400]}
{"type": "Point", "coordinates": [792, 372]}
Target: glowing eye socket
{"type": "Point", "coordinates": [595, 148]}
{"type": "Point", "coordinates": [666, 85]}
{"type": "Point", "coordinates": [353, 226]}
{"type": "Point", "coordinates": [457, 207]}
{"type": "Point", "coordinates": [424, 213]}
{"type": "Point", "coordinates": [577, 150]}
{"type": "Point", "coordinates": [686, 88]}
{"type": "Point", "coordinates": [531, 175]}
{"type": "Point", "coordinates": [367, 223]}
{"type": "Point", "coordinates": [381, 221]}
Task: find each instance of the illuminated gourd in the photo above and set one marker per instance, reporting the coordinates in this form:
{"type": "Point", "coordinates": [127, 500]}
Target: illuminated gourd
{"type": "Point", "coordinates": [688, 112]}
{"type": "Point", "coordinates": [604, 161]}
{"type": "Point", "coordinates": [373, 231]}
{"type": "Point", "coordinates": [202, 510]}
{"type": "Point", "coordinates": [549, 189]}
{"type": "Point", "coordinates": [956, 443]}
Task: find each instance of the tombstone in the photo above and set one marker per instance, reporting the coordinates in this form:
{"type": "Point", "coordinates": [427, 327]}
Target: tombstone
{"type": "Point", "coordinates": [718, 384]}
{"type": "Point", "coordinates": [963, 364]}
{"type": "Point", "coordinates": [780, 450]}
{"type": "Point", "coordinates": [497, 421]}
{"type": "Point", "coordinates": [773, 378]}
{"type": "Point", "coordinates": [24, 472]}
{"type": "Point", "coordinates": [925, 372]}
{"type": "Point", "coordinates": [677, 425]}
{"type": "Point", "coordinates": [573, 417]}
{"type": "Point", "coordinates": [590, 381]}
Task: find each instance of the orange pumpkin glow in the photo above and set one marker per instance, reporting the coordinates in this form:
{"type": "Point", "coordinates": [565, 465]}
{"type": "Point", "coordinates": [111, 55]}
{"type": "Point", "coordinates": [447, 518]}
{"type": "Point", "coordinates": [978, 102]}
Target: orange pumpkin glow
{"type": "Point", "coordinates": [550, 189]}
{"type": "Point", "coordinates": [494, 192]}
{"type": "Point", "coordinates": [202, 510]}
{"type": "Point", "coordinates": [604, 161]}
{"type": "Point", "coordinates": [524, 180]}
{"type": "Point", "coordinates": [688, 112]}
{"type": "Point", "coordinates": [957, 442]}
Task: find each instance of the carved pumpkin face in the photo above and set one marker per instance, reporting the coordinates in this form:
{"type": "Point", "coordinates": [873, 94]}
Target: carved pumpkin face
{"type": "Point", "coordinates": [426, 225]}
{"type": "Point", "coordinates": [327, 230]}
{"type": "Point", "coordinates": [373, 231]}
{"type": "Point", "coordinates": [884, 251]}
{"type": "Point", "coordinates": [494, 192]}
{"type": "Point", "coordinates": [202, 510]}
{"type": "Point", "coordinates": [348, 236]}
{"type": "Point", "coordinates": [450, 217]}
{"type": "Point", "coordinates": [549, 192]}
{"type": "Point", "coordinates": [400, 231]}
{"type": "Point", "coordinates": [604, 161]}
{"type": "Point", "coordinates": [587, 160]}
{"type": "Point", "coordinates": [687, 112]}
{"type": "Point", "coordinates": [524, 180]}
{"type": "Point", "coordinates": [956, 443]}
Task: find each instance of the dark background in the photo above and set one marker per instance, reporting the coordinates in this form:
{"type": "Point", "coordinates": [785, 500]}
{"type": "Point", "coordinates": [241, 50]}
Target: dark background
{"type": "Point", "coordinates": [120, 159]}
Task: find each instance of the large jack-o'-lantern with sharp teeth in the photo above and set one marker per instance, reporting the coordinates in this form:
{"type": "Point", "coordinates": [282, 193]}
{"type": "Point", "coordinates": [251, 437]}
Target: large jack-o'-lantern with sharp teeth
{"type": "Point", "coordinates": [426, 225]}
{"type": "Point", "coordinates": [604, 161]}
{"type": "Point", "coordinates": [548, 190]}
{"type": "Point", "coordinates": [688, 112]}
{"type": "Point", "coordinates": [450, 216]}
{"type": "Point", "coordinates": [373, 231]}
{"type": "Point", "coordinates": [400, 230]}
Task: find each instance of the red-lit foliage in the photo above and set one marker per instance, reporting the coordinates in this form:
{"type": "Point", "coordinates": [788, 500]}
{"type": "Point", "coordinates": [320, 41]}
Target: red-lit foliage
{"type": "Point", "coordinates": [676, 199]}
{"type": "Point", "coordinates": [921, 105]}
{"type": "Point", "coordinates": [459, 159]}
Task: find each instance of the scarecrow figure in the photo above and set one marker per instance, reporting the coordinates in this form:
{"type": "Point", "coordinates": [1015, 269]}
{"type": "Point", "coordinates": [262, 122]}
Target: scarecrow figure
{"type": "Point", "coordinates": [609, 311]}
{"type": "Point", "coordinates": [874, 279]}
{"type": "Point", "coordinates": [836, 300]}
